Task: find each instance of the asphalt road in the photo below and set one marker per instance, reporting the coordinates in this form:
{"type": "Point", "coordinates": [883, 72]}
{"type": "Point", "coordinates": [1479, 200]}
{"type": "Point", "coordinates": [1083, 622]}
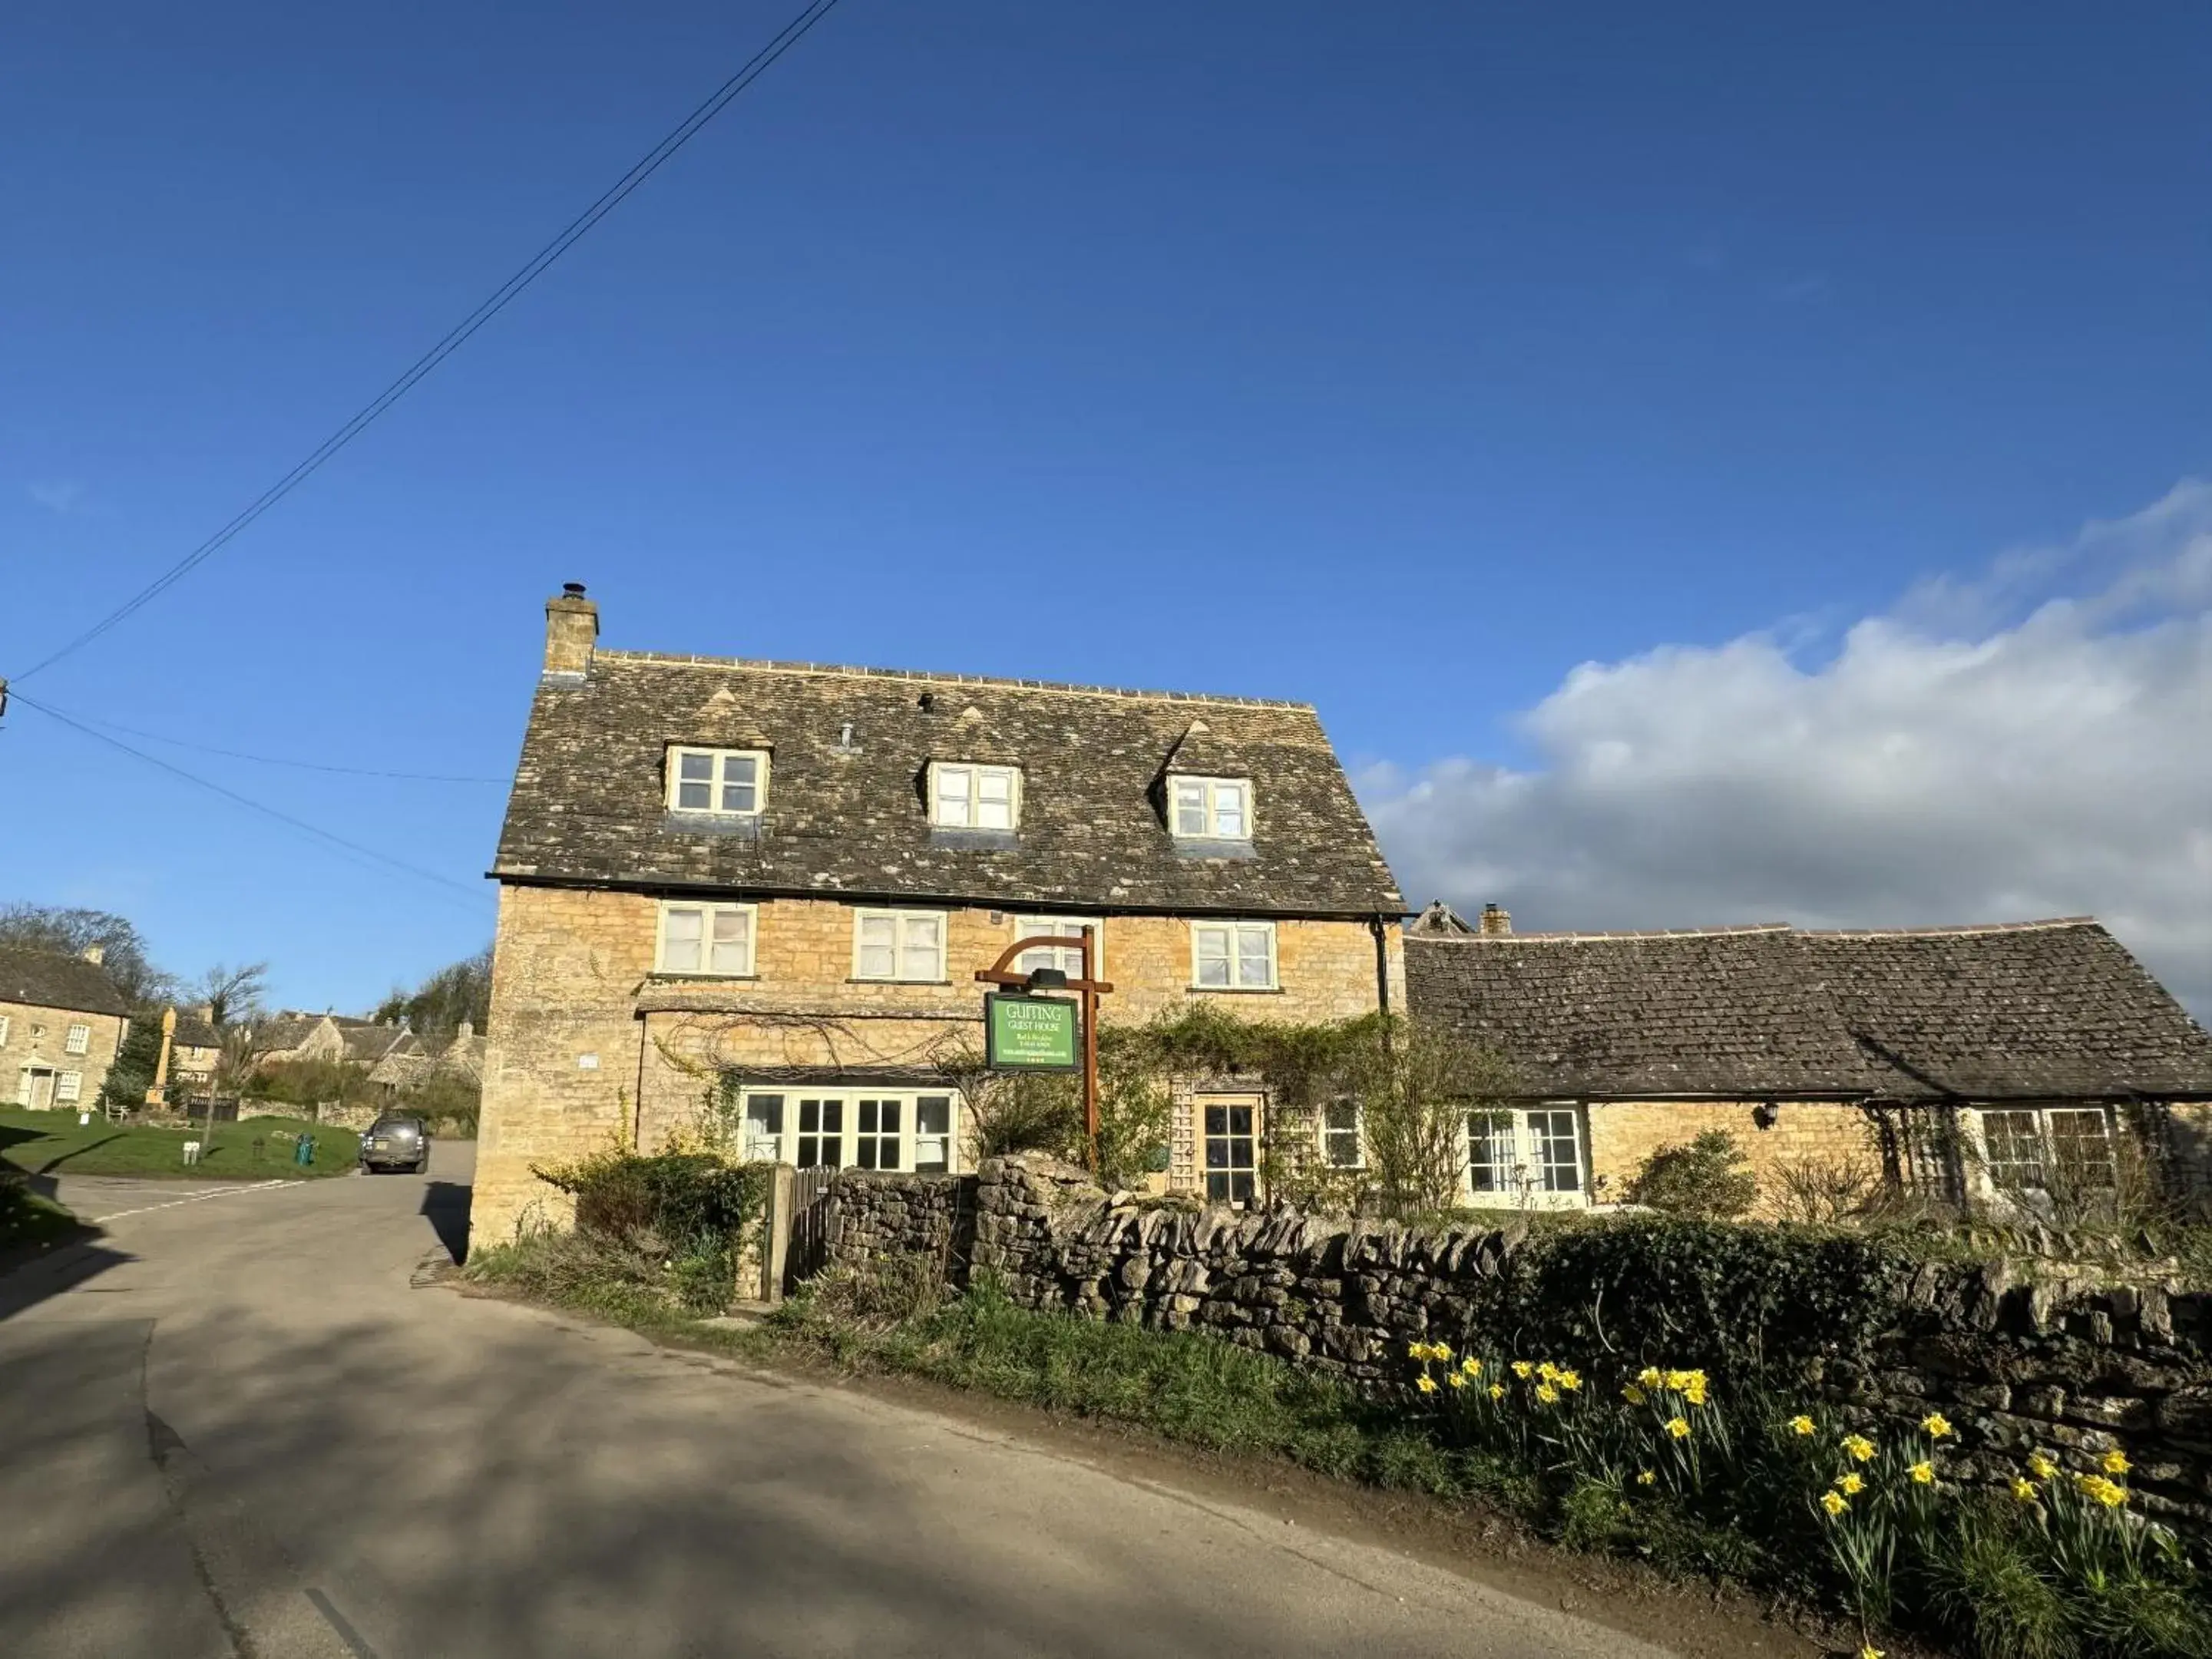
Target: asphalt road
{"type": "Point", "coordinates": [237, 1427]}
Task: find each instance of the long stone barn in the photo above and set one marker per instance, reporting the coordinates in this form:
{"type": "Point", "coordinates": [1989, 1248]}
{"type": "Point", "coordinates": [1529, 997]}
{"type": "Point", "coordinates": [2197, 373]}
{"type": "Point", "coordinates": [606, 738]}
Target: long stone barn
{"type": "Point", "coordinates": [2026, 1066]}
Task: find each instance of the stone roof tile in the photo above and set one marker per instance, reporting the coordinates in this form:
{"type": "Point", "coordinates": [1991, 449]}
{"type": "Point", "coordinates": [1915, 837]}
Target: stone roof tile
{"type": "Point", "coordinates": [852, 820]}
{"type": "Point", "coordinates": [49, 979]}
{"type": "Point", "coordinates": [2017, 1010]}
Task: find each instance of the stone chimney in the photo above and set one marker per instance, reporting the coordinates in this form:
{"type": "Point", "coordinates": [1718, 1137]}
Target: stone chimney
{"type": "Point", "coordinates": [572, 627]}
{"type": "Point", "coordinates": [1496, 920]}
{"type": "Point", "coordinates": [95, 954]}
{"type": "Point", "coordinates": [205, 1010]}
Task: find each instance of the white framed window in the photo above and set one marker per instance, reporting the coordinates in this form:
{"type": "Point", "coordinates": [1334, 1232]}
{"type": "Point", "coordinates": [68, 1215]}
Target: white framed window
{"type": "Point", "coordinates": [2025, 1149]}
{"type": "Point", "coordinates": [79, 1040]}
{"type": "Point", "coordinates": [1067, 958]}
{"type": "Point", "coordinates": [875, 1132]}
{"type": "Point", "coordinates": [1528, 1156]}
{"type": "Point", "coordinates": [1342, 1146]}
{"type": "Point", "coordinates": [707, 938]}
{"type": "Point", "coordinates": [3, 1030]}
{"type": "Point", "coordinates": [68, 1085]}
{"type": "Point", "coordinates": [1232, 956]}
{"type": "Point", "coordinates": [763, 1139]}
{"type": "Point", "coordinates": [1210, 809]}
{"type": "Point", "coordinates": [964, 796]}
{"type": "Point", "coordinates": [1231, 1132]}
{"type": "Point", "coordinates": [898, 1130]}
{"type": "Point", "coordinates": [932, 1134]}
{"type": "Point", "coordinates": [899, 944]}
{"type": "Point", "coordinates": [726, 783]}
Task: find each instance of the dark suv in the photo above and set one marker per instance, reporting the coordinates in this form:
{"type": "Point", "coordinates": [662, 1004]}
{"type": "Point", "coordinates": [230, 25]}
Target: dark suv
{"type": "Point", "coordinates": [396, 1142]}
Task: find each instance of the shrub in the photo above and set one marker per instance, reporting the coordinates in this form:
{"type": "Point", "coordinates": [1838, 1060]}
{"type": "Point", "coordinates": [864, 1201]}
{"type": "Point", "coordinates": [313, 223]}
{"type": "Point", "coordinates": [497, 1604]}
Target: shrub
{"type": "Point", "coordinates": [689, 1210]}
{"type": "Point", "coordinates": [1709, 1178]}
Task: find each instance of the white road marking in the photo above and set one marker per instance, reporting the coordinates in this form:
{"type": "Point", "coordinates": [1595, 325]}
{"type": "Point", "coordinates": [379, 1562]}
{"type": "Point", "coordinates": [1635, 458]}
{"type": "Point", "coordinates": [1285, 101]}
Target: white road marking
{"type": "Point", "coordinates": [195, 1198]}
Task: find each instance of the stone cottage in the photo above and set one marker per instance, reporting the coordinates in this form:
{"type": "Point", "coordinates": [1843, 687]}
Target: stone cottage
{"type": "Point", "coordinates": [1988, 1063]}
{"type": "Point", "coordinates": [773, 882]}
{"type": "Point", "coordinates": [62, 1023]}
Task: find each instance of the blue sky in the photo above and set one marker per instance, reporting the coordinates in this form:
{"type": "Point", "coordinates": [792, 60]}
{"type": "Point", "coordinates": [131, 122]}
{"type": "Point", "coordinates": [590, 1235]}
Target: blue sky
{"type": "Point", "coordinates": [1399, 358]}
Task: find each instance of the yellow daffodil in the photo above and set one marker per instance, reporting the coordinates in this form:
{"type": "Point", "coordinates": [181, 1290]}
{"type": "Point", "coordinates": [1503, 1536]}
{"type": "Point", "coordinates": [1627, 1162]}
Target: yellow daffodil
{"type": "Point", "coordinates": [2041, 1467]}
{"type": "Point", "coordinates": [1645, 1478]}
{"type": "Point", "coordinates": [1679, 1427]}
{"type": "Point", "coordinates": [1853, 1483]}
{"type": "Point", "coordinates": [1569, 1380]}
{"type": "Point", "coordinates": [1695, 1393]}
{"type": "Point", "coordinates": [1546, 1395]}
{"type": "Point", "coordinates": [1416, 1351]}
{"type": "Point", "coordinates": [1471, 1366]}
{"type": "Point", "coordinates": [1649, 1377]}
{"type": "Point", "coordinates": [1522, 1367]}
{"type": "Point", "coordinates": [1870, 1652]}
{"type": "Point", "coordinates": [1860, 1448]}
{"type": "Point", "coordinates": [2099, 1490]}
{"type": "Point", "coordinates": [1802, 1425]}
{"type": "Point", "coordinates": [1426, 1384]}
{"type": "Point", "coordinates": [1547, 1369]}
{"type": "Point", "coordinates": [1935, 1425]}
{"type": "Point", "coordinates": [1497, 1391]}
{"type": "Point", "coordinates": [1634, 1396]}
{"type": "Point", "coordinates": [2023, 1490]}
{"type": "Point", "coordinates": [1833, 1502]}
{"type": "Point", "coordinates": [1457, 1379]}
{"type": "Point", "coordinates": [2115, 1462]}
{"type": "Point", "coordinates": [1922, 1473]}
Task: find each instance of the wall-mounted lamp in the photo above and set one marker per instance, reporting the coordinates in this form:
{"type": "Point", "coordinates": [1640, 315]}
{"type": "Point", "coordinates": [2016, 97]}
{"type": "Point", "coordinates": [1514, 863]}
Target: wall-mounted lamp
{"type": "Point", "coordinates": [1047, 979]}
{"type": "Point", "coordinates": [1766, 1113]}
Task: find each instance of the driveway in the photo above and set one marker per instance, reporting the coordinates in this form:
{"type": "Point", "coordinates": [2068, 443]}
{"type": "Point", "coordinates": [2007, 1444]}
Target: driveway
{"type": "Point", "coordinates": [238, 1426]}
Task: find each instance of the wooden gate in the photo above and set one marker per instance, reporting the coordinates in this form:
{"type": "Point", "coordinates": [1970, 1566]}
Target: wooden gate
{"type": "Point", "coordinates": [808, 1251]}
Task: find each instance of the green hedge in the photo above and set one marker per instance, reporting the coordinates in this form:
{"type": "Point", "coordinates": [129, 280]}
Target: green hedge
{"type": "Point", "coordinates": [1674, 1291]}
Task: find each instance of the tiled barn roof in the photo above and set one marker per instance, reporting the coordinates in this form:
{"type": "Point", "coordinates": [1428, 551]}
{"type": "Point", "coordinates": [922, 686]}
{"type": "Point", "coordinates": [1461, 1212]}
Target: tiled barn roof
{"type": "Point", "coordinates": [851, 818]}
{"type": "Point", "coordinates": [2022, 1010]}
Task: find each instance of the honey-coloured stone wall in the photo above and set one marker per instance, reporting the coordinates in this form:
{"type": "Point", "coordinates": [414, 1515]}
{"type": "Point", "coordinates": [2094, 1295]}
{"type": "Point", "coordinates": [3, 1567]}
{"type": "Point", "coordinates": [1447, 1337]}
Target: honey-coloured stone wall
{"type": "Point", "coordinates": [589, 1045]}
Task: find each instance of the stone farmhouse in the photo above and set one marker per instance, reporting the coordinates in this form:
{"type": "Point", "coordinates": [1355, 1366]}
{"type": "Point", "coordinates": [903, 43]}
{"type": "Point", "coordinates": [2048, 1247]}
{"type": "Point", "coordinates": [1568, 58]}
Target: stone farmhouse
{"type": "Point", "coordinates": [62, 1025]}
{"type": "Point", "coordinates": [1969, 1063]}
{"type": "Point", "coordinates": [779, 880]}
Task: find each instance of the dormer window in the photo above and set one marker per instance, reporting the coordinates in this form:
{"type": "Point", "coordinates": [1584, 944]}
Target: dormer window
{"type": "Point", "coordinates": [723, 782]}
{"type": "Point", "coordinates": [1210, 809]}
{"type": "Point", "coordinates": [968, 797]}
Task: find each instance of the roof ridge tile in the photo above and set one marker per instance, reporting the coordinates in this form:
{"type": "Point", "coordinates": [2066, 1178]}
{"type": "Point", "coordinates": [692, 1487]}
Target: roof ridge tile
{"type": "Point", "coordinates": [929, 677]}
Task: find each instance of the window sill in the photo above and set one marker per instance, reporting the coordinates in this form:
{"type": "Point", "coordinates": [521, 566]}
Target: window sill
{"type": "Point", "coordinates": [1237, 990]}
{"type": "Point", "coordinates": [856, 979]}
{"type": "Point", "coordinates": [683, 978]}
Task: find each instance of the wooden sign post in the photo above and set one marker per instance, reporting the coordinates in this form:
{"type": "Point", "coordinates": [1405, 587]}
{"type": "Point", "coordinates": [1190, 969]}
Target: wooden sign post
{"type": "Point", "coordinates": [1088, 989]}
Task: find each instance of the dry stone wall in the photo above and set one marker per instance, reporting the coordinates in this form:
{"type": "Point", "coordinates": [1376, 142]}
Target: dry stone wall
{"type": "Point", "coordinates": [2075, 1368]}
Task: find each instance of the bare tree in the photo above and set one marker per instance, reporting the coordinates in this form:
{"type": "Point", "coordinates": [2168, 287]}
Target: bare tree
{"type": "Point", "coordinates": [1416, 1097]}
{"type": "Point", "coordinates": [231, 994]}
{"type": "Point", "coordinates": [72, 931]}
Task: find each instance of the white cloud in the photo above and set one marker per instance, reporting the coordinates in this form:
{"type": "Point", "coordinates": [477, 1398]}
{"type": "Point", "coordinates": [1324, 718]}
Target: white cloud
{"type": "Point", "coordinates": [1982, 752]}
{"type": "Point", "coordinates": [60, 495]}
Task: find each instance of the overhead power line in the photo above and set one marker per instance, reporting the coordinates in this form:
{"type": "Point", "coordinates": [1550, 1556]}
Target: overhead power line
{"type": "Point", "coordinates": [276, 760]}
{"type": "Point", "coordinates": [646, 167]}
{"type": "Point", "coordinates": [353, 849]}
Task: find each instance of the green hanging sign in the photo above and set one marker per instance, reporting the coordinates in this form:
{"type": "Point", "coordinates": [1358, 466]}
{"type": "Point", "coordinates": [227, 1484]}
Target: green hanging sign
{"type": "Point", "coordinates": [1030, 1033]}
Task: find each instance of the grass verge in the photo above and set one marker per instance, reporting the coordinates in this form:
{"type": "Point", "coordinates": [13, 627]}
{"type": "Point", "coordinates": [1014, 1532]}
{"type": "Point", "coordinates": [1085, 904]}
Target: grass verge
{"type": "Point", "coordinates": [1986, 1580]}
{"type": "Point", "coordinates": [257, 1149]}
{"type": "Point", "coordinates": [30, 1222]}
